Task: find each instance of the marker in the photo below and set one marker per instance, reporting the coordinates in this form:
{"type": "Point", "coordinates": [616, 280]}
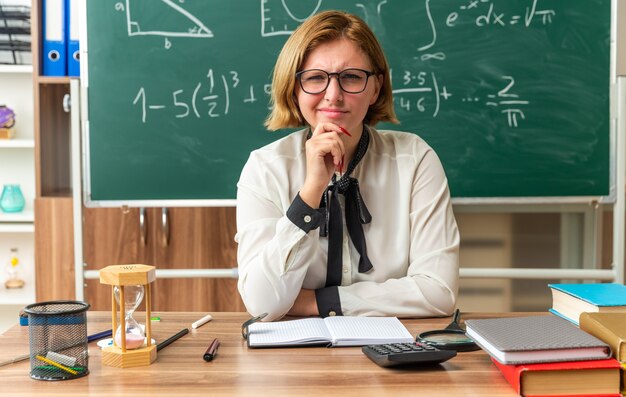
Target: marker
{"type": "Point", "coordinates": [52, 367]}
{"type": "Point", "coordinates": [172, 338]}
{"type": "Point", "coordinates": [212, 350]}
{"type": "Point", "coordinates": [63, 367]}
{"type": "Point", "coordinates": [202, 321]}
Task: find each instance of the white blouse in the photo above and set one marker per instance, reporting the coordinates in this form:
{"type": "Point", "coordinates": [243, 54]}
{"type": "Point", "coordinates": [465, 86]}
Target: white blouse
{"type": "Point", "coordinates": [412, 240]}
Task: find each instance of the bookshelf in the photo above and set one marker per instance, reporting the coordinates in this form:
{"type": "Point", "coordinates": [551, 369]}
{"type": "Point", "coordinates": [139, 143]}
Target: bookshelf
{"type": "Point", "coordinates": [17, 161]}
{"type": "Point", "coordinates": [17, 166]}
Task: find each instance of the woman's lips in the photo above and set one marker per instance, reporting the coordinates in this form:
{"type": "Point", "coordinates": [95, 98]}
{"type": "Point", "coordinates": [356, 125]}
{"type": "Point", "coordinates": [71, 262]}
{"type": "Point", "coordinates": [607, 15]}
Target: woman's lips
{"type": "Point", "coordinates": [332, 112]}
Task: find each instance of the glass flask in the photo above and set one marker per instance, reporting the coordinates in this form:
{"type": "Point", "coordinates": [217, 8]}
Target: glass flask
{"type": "Point", "coordinates": [133, 295]}
{"type": "Point", "coordinates": [12, 199]}
{"type": "Point", "coordinates": [12, 271]}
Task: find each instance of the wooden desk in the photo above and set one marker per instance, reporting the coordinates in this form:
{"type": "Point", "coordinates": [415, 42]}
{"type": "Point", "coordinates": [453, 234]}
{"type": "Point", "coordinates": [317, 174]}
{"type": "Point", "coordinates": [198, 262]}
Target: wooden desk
{"type": "Point", "coordinates": [180, 370]}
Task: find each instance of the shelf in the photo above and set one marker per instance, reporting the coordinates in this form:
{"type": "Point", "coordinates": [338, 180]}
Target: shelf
{"type": "Point", "coordinates": [59, 192]}
{"type": "Point", "coordinates": [17, 228]}
{"type": "Point", "coordinates": [16, 68]}
{"type": "Point", "coordinates": [18, 296]}
{"type": "Point", "coordinates": [54, 80]}
{"type": "Point", "coordinates": [24, 216]}
{"type": "Point", "coordinates": [17, 143]}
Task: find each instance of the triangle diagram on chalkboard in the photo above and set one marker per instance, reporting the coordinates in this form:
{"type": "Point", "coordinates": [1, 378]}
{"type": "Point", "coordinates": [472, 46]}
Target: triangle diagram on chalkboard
{"type": "Point", "coordinates": [162, 18]}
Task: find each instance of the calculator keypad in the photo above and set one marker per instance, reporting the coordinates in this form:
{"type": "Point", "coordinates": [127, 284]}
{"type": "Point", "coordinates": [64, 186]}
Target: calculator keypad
{"type": "Point", "coordinates": [391, 354]}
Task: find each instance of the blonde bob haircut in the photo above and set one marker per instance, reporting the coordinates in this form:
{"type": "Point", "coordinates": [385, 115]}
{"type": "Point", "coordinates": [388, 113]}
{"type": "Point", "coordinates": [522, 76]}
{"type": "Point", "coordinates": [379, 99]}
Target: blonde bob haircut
{"type": "Point", "coordinates": [319, 29]}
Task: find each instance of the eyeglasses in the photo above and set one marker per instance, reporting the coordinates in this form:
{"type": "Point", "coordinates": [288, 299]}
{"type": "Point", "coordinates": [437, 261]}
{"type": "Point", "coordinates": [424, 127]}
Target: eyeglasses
{"type": "Point", "coordinates": [315, 81]}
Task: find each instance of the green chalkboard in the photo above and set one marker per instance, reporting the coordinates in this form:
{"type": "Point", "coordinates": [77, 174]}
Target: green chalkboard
{"type": "Point", "coordinates": [512, 94]}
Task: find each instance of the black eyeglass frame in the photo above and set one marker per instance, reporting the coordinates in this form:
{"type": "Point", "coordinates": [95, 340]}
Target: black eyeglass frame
{"type": "Point", "coordinates": [337, 74]}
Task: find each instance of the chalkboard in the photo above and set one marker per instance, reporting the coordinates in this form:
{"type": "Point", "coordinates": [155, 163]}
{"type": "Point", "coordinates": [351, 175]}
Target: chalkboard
{"type": "Point", "coordinates": [512, 95]}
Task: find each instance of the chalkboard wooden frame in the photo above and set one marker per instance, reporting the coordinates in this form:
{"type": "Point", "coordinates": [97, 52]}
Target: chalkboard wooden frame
{"type": "Point", "coordinates": [96, 195]}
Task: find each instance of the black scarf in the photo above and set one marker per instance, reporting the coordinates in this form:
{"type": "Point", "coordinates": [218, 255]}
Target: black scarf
{"type": "Point", "coordinates": [356, 215]}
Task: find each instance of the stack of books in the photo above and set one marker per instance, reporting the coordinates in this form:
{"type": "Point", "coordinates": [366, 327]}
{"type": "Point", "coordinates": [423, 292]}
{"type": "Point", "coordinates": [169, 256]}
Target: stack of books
{"type": "Point", "coordinates": [548, 356]}
{"type": "Point", "coordinates": [600, 309]}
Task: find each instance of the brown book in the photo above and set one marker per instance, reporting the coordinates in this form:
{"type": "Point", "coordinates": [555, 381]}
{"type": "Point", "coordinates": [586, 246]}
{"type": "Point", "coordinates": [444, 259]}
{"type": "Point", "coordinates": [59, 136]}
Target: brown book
{"type": "Point", "coordinates": [610, 328]}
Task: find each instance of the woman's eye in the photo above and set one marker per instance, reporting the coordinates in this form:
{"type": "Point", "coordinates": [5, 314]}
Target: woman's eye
{"type": "Point", "coordinates": [350, 77]}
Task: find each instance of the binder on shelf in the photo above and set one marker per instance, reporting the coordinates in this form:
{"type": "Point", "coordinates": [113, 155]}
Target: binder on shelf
{"type": "Point", "coordinates": [54, 58]}
{"type": "Point", "coordinates": [73, 55]}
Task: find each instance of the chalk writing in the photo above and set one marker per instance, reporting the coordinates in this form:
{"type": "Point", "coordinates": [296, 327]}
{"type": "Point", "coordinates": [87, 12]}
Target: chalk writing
{"type": "Point", "coordinates": [192, 26]}
{"type": "Point", "coordinates": [417, 84]}
{"type": "Point", "coordinates": [416, 90]}
{"type": "Point", "coordinates": [491, 16]}
{"type": "Point", "coordinates": [209, 98]}
{"type": "Point", "coordinates": [509, 103]}
{"type": "Point", "coordinates": [202, 100]}
{"type": "Point", "coordinates": [281, 17]}
{"type": "Point", "coordinates": [484, 17]}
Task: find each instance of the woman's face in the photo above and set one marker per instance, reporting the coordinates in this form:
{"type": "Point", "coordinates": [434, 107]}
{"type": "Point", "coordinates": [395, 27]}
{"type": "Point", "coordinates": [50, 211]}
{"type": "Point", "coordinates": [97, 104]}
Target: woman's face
{"type": "Point", "coordinates": [334, 105]}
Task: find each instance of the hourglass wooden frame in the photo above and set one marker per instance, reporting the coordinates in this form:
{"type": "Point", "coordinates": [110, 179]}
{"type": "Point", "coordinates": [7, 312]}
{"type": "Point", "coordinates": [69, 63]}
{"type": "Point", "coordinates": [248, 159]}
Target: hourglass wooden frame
{"type": "Point", "coordinates": [121, 276]}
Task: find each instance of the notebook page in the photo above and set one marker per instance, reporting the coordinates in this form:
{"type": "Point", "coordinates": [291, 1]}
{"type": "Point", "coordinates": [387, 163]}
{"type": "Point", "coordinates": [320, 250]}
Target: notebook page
{"type": "Point", "coordinates": [308, 330]}
{"type": "Point", "coordinates": [359, 331]}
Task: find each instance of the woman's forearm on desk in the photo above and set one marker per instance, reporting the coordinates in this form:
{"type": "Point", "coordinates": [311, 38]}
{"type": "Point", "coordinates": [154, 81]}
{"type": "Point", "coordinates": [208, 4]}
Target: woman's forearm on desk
{"type": "Point", "coordinates": [269, 281]}
{"type": "Point", "coordinates": [406, 297]}
{"type": "Point", "coordinates": [272, 256]}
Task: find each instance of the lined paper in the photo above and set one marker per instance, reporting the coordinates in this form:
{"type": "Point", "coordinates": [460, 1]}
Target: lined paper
{"type": "Point", "coordinates": [371, 330]}
{"type": "Point", "coordinates": [338, 331]}
{"type": "Point", "coordinates": [288, 332]}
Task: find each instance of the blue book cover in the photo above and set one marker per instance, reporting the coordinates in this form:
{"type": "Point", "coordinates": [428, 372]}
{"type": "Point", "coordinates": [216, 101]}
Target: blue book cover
{"type": "Point", "coordinates": [603, 294]}
{"type": "Point", "coordinates": [558, 313]}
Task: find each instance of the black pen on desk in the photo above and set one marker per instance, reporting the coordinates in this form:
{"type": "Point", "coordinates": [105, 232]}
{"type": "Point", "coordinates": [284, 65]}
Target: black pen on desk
{"type": "Point", "coordinates": [212, 350]}
{"type": "Point", "coordinates": [172, 338]}
{"type": "Point", "coordinates": [99, 335]}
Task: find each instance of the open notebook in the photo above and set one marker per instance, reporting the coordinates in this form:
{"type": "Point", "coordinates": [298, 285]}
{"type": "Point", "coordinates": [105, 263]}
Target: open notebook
{"type": "Point", "coordinates": [329, 331]}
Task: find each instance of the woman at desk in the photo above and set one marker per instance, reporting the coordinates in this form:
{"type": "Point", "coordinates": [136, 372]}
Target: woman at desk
{"type": "Point", "coordinates": [339, 218]}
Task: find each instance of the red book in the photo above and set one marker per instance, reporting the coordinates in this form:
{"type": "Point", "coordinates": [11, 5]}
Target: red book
{"type": "Point", "coordinates": [569, 378]}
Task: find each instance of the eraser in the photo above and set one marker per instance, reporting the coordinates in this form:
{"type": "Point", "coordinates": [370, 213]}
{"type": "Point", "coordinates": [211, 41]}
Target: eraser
{"type": "Point", "coordinates": [61, 359]}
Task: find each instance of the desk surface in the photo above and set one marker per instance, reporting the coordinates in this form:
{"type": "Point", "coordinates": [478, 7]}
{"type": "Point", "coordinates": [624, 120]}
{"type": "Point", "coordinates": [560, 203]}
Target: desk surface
{"type": "Point", "coordinates": [237, 370]}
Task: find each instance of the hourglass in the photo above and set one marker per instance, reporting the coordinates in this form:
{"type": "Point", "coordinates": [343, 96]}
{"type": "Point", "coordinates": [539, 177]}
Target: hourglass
{"type": "Point", "coordinates": [131, 296]}
{"type": "Point", "coordinates": [130, 284]}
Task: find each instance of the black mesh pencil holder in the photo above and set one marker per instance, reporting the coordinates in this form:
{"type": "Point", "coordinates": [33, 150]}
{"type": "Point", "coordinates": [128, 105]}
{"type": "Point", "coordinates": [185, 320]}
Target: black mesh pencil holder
{"type": "Point", "coordinates": [58, 340]}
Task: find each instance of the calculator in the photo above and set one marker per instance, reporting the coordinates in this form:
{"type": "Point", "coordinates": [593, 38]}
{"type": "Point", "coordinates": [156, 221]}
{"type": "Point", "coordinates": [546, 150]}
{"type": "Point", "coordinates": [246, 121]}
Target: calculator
{"type": "Point", "coordinates": [392, 354]}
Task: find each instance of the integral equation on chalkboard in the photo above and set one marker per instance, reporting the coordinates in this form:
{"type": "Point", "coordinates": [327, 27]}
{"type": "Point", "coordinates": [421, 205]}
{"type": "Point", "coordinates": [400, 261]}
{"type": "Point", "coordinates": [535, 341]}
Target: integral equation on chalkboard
{"type": "Point", "coordinates": [221, 93]}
